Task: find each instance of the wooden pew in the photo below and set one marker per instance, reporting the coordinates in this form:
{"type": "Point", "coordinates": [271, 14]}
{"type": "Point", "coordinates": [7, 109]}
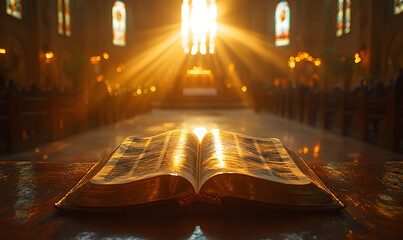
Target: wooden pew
{"type": "Point", "coordinates": [327, 109]}
{"type": "Point", "coordinates": [391, 127]}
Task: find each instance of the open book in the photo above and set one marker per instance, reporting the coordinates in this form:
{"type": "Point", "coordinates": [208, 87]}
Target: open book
{"type": "Point", "coordinates": [175, 166]}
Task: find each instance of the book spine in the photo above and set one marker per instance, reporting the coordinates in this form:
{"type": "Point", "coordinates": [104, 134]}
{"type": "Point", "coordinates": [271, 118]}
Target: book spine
{"type": "Point", "coordinates": [198, 197]}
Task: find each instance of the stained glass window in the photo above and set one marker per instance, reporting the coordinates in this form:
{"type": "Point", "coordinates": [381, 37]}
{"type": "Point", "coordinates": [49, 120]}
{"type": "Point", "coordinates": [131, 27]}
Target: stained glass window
{"type": "Point", "coordinates": [199, 26]}
{"type": "Point", "coordinates": [398, 7]}
{"type": "Point", "coordinates": [67, 21]}
{"type": "Point", "coordinates": [60, 17]}
{"type": "Point", "coordinates": [340, 13]}
{"type": "Point", "coordinates": [347, 24]}
{"type": "Point", "coordinates": [282, 24]}
{"type": "Point", "coordinates": [14, 8]}
{"type": "Point", "coordinates": [119, 23]}
{"type": "Point", "coordinates": [63, 17]}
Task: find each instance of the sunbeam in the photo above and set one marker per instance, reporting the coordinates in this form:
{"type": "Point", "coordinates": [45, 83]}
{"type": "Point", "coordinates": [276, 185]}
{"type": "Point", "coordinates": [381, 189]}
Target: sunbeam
{"type": "Point", "coordinates": [240, 57]}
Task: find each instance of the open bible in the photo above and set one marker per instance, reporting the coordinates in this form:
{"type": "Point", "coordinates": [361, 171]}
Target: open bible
{"type": "Point", "coordinates": [175, 166]}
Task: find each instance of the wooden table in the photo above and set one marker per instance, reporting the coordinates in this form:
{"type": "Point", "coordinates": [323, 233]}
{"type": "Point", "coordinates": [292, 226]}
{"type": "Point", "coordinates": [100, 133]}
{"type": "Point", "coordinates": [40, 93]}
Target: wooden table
{"type": "Point", "coordinates": [373, 193]}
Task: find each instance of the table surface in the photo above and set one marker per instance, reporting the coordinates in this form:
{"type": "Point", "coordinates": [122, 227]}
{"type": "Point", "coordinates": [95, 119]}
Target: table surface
{"type": "Point", "coordinates": [372, 192]}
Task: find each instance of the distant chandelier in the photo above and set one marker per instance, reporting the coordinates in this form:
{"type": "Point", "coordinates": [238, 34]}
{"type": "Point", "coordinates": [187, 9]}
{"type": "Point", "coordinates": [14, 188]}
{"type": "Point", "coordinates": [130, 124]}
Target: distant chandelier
{"type": "Point", "coordinates": [199, 26]}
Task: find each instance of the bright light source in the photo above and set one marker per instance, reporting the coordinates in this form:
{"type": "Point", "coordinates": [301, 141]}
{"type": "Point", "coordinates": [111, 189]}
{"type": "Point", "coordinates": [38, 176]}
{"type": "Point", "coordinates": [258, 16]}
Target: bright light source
{"type": "Point", "coordinates": [105, 55]}
{"type": "Point", "coordinates": [138, 91]}
{"type": "Point", "coordinates": [200, 132]}
{"type": "Point", "coordinates": [49, 55]}
{"type": "Point", "coordinates": [93, 60]}
{"type": "Point", "coordinates": [316, 148]}
{"type": "Point", "coordinates": [357, 58]}
{"type": "Point", "coordinates": [244, 88]}
{"type": "Point", "coordinates": [198, 71]}
{"type": "Point", "coordinates": [2, 51]}
{"type": "Point", "coordinates": [199, 24]}
{"type": "Point", "coordinates": [291, 64]}
{"type": "Point", "coordinates": [153, 89]}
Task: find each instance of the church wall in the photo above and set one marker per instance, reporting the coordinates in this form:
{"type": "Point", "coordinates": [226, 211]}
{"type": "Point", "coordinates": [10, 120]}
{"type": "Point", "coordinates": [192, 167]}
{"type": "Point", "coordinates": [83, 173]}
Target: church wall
{"type": "Point", "coordinates": [376, 34]}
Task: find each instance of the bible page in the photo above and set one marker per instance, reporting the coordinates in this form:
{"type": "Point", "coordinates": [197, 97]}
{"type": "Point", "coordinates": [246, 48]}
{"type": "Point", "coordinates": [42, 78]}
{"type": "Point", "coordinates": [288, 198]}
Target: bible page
{"type": "Point", "coordinates": [226, 152]}
{"type": "Point", "coordinates": [171, 153]}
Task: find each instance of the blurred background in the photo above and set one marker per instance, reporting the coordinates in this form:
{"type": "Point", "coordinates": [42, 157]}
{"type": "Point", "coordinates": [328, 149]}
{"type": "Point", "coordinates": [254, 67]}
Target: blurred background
{"type": "Point", "coordinates": [67, 65]}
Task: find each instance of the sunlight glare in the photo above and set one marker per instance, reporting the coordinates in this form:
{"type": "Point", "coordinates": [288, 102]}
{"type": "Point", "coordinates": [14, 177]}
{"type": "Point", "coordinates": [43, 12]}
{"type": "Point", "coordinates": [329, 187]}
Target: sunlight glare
{"type": "Point", "coordinates": [199, 26]}
{"type": "Point", "coordinates": [218, 148]}
{"type": "Point", "coordinates": [200, 132]}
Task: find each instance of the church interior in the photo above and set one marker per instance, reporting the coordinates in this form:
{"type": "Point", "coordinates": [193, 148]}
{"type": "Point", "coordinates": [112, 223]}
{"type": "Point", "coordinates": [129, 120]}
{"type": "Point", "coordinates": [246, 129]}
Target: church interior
{"type": "Point", "coordinates": [324, 77]}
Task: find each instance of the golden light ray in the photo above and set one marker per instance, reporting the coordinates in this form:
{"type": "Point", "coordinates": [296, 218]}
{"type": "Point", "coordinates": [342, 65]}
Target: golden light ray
{"type": "Point", "coordinates": [255, 44]}
{"type": "Point", "coordinates": [218, 146]}
{"type": "Point", "coordinates": [145, 63]}
{"type": "Point", "coordinates": [161, 58]}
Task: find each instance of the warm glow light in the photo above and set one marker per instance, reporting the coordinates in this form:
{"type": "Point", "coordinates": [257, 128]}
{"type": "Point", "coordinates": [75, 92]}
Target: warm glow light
{"type": "Point", "coordinates": [199, 26]}
{"type": "Point", "coordinates": [200, 132]}
{"type": "Point", "coordinates": [291, 64]}
{"type": "Point", "coordinates": [297, 59]}
{"type": "Point", "coordinates": [49, 55]}
{"type": "Point", "coordinates": [231, 67]}
{"type": "Point", "coordinates": [357, 58]}
{"type": "Point", "coordinates": [94, 60]}
{"type": "Point", "coordinates": [244, 88]}
{"type": "Point", "coordinates": [2, 51]}
{"type": "Point", "coordinates": [153, 89]}
{"type": "Point", "coordinates": [100, 78]}
{"type": "Point", "coordinates": [316, 148]}
{"type": "Point", "coordinates": [119, 69]}
{"type": "Point", "coordinates": [306, 150]}
{"type": "Point", "coordinates": [98, 58]}
{"type": "Point", "coordinates": [198, 71]}
{"type": "Point", "coordinates": [138, 91]}
{"type": "Point", "coordinates": [218, 147]}
{"type": "Point", "coordinates": [105, 55]}
{"type": "Point", "coordinates": [317, 62]}
{"type": "Point", "coordinates": [179, 151]}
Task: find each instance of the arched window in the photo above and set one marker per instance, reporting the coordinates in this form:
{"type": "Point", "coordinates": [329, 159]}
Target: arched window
{"type": "Point", "coordinates": [14, 8]}
{"type": "Point", "coordinates": [343, 17]}
{"type": "Point", "coordinates": [199, 26]}
{"type": "Point", "coordinates": [282, 24]}
{"type": "Point", "coordinates": [119, 23]}
{"type": "Point", "coordinates": [397, 7]}
{"type": "Point", "coordinates": [347, 17]}
{"type": "Point", "coordinates": [63, 17]}
{"type": "Point", "coordinates": [67, 19]}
